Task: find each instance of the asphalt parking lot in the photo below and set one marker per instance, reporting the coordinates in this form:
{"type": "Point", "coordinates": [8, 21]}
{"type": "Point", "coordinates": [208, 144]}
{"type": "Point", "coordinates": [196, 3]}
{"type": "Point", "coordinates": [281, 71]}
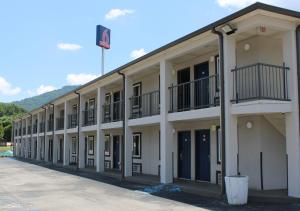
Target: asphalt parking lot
{"type": "Point", "coordinates": [25, 186]}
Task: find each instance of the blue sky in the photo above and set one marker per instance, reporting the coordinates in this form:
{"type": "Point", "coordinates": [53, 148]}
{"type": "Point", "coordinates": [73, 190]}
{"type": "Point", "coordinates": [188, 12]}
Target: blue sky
{"type": "Point", "coordinates": [48, 44]}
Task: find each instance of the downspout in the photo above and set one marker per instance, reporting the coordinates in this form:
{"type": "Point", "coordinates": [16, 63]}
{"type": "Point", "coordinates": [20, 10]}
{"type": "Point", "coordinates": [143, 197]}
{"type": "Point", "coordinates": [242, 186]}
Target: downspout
{"type": "Point", "coordinates": [78, 130]}
{"type": "Point", "coordinates": [22, 147]}
{"type": "Point", "coordinates": [123, 126]}
{"type": "Point", "coordinates": [298, 64]}
{"type": "Point", "coordinates": [53, 133]}
{"type": "Point", "coordinates": [31, 134]}
{"type": "Point", "coordinates": [12, 136]}
{"type": "Point", "coordinates": [222, 72]}
{"type": "Point", "coordinates": [45, 109]}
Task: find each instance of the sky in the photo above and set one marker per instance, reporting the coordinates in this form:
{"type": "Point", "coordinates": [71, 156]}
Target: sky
{"type": "Point", "coordinates": [45, 45]}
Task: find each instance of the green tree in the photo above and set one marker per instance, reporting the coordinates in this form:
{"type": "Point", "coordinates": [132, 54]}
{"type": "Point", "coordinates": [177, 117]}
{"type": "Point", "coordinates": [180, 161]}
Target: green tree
{"type": "Point", "coordinates": [1, 131]}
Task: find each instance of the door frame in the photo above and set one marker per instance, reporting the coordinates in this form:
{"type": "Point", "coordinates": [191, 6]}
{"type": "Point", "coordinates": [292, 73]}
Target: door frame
{"type": "Point", "coordinates": [196, 153]}
{"type": "Point", "coordinates": [190, 155]}
{"type": "Point", "coordinates": [113, 154]}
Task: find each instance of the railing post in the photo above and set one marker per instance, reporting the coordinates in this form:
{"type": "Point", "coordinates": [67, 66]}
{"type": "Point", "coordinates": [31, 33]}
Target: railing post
{"type": "Point", "coordinates": [150, 103]}
{"type": "Point", "coordinates": [172, 98]}
{"type": "Point", "coordinates": [259, 81]}
{"type": "Point", "coordinates": [284, 82]}
{"type": "Point", "coordinates": [235, 85]}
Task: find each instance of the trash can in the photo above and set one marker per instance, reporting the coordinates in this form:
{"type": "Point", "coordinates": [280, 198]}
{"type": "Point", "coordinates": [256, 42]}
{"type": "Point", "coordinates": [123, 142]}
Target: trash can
{"type": "Point", "coordinates": [237, 189]}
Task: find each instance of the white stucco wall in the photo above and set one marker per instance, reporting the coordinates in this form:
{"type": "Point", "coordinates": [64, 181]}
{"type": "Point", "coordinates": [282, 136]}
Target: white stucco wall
{"type": "Point", "coordinates": [262, 137]}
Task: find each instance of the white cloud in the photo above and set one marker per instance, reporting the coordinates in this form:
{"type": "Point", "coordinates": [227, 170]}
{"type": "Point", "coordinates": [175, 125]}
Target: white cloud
{"type": "Point", "coordinates": [7, 89]}
{"type": "Point", "coordinates": [79, 79]}
{"type": "Point", "coordinates": [243, 3]}
{"type": "Point", "coordinates": [115, 13]}
{"type": "Point", "coordinates": [44, 88]}
{"type": "Point", "coordinates": [68, 46]}
{"type": "Point", "coordinates": [137, 53]}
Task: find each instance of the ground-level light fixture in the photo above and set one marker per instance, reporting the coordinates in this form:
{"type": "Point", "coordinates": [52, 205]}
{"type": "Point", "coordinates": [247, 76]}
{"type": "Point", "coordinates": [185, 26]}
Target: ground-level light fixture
{"type": "Point", "coordinates": [249, 125]}
{"type": "Point", "coordinates": [247, 47]}
{"type": "Point", "coordinates": [228, 29]}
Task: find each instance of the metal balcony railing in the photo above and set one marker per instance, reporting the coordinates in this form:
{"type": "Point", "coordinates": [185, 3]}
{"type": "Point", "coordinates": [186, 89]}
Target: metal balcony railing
{"type": "Point", "coordinates": [197, 94]}
{"type": "Point", "coordinates": [29, 129]}
{"type": "Point", "coordinates": [145, 105]}
{"type": "Point", "coordinates": [112, 112]}
{"type": "Point", "coordinates": [34, 129]}
{"type": "Point", "coordinates": [60, 123]}
{"type": "Point", "coordinates": [260, 81]}
{"type": "Point", "coordinates": [42, 127]}
{"type": "Point", "coordinates": [89, 117]}
{"type": "Point", "coordinates": [50, 125]}
{"type": "Point", "coordinates": [72, 121]}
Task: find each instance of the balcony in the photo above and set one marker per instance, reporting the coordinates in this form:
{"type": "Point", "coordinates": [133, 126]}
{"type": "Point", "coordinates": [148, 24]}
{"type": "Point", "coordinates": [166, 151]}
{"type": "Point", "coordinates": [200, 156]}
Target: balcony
{"type": "Point", "coordinates": [89, 117]}
{"type": "Point", "coordinates": [29, 129]}
{"type": "Point", "coordinates": [34, 129]}
{"type": "Point", "coordinates": [50, 125]}
{"type": "Point", "coordinates": [112, 112]}
{"type": "Point", "coordinates": [197, 94]}
{"type": "Point", "coordinates": [60, 123]}
{"type": "Point", "coordinates": [145, 105]}
{"type": "Point", "coordinates": [72, 121]}
{"type": "Point", "coordinates": [42, 127]}
{"type": "Point", "coordinates": [260, 82]}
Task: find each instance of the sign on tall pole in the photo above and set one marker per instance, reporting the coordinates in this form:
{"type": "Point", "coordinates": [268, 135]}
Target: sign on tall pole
{"type": "Point", "coordinates": [103, 41]}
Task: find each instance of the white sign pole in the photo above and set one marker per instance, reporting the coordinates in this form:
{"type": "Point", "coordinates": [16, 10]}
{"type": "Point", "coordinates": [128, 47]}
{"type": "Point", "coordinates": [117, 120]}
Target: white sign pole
{"type": "Point", "coordinates": [102, 69]}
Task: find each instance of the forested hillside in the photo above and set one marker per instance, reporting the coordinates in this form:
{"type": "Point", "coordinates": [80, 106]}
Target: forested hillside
{"type": "Point", "coordinates": [8, 112]}
{"type": "Point", "coordinates": [39, 100]}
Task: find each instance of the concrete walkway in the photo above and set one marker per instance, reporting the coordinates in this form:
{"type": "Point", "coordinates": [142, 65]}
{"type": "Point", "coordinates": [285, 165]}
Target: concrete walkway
{"type": "Point", "coordinates": [25, 186]}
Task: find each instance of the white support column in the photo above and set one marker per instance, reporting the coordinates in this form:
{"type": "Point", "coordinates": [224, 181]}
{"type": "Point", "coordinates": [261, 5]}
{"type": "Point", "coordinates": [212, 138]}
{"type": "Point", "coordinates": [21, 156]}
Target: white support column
{"type": "Point", "coordinates": [81, 137]}
{"type": "Point", "coordinates": [66, 137]}
{"type": "Point", "coordinates": [100, 134]}
{"type": "Point", "coordinates": [39, 142]}
{"type": "Point", "coordinates": [47, 149]}
{"type": "Point", "coordinates": [128, 131]}
{"type": "Point", "coordinates": [55, 148]}
{"type": "Point", "coordinates": [231, 137]}
{"type": "Point", "coordinates": [292, 118]}
{"type": "Point", "coordinates": [166, 146]}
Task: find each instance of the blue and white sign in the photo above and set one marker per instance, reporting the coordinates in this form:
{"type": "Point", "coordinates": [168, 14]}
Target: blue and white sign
{"type": "Point", "coordinates": [103, 37]}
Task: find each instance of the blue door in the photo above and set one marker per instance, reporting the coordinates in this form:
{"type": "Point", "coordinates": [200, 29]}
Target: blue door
{"type": "Point", "coordinates": [50, 155]}
{"type": "Point", "coordinates": [116, 152]}
{"type": "Point", "coordinates": [184, 154]}
{"type": "Point", "coordinates": [202, 160]}
{"type": "Point", "coordinates": [201, 73]}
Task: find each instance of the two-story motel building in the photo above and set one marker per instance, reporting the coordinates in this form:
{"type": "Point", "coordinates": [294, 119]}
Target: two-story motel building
{"type": "Point", "coordinates": [247, 62]}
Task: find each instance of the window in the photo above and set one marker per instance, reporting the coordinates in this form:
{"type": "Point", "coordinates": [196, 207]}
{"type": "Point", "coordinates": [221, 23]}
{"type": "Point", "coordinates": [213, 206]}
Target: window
{"type": "Point", "coordinates": [137, 91]}
{"type": "Point", "coordinates": [107, 145]}
{"type": "Point", "coordinates": [137, 150]}
{"type": "Point", "coordinates": [219, 140]}
{"type": "Point", "coordinates": [91, 145]}
{"type": "Point", "coordinates": [217, 72]}
{"type": "Point", "coordinates": [74, 109]}
{"type": "Point", "coordinates": [74, 145]}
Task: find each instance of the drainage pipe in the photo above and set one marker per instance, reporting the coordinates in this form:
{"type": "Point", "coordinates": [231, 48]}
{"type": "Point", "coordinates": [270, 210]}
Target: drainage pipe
{"type": "Point", "coordinates": [222, 72]}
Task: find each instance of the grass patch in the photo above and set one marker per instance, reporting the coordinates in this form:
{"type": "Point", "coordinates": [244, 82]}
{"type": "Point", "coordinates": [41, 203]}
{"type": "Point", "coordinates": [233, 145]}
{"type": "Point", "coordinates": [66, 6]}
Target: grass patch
{"type": "Point", "coordinates": [2, 149]}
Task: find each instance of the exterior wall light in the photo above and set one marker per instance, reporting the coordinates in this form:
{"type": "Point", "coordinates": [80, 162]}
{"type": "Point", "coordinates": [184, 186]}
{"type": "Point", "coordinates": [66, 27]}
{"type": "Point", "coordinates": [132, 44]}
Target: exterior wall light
{"type": "Point", "coordinates": [249, 125]}
{"type": "Point", "coordinates": [228, 29]}
{"type": "Point", "coordinates": [247, 47]}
